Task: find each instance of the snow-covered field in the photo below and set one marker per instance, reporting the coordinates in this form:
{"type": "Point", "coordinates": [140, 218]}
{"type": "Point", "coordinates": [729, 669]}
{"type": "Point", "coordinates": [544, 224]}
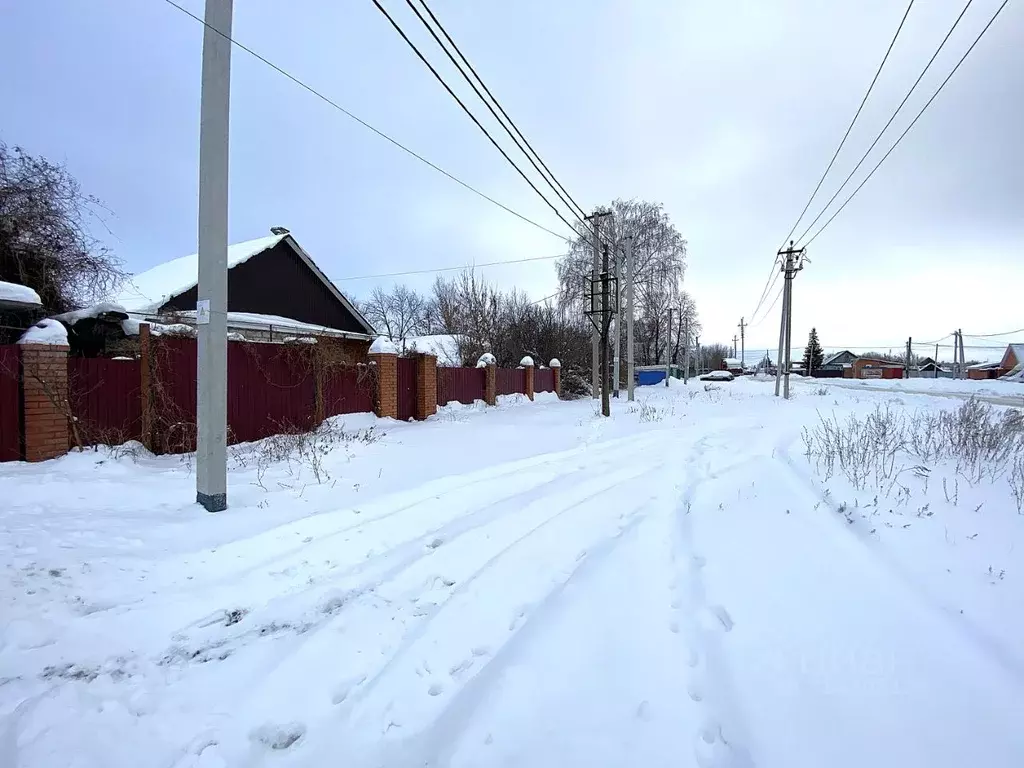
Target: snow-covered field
{"type": "Point", "coordinates": [994, 389]}
{"type": "Point", "coordinates": [528, 585]}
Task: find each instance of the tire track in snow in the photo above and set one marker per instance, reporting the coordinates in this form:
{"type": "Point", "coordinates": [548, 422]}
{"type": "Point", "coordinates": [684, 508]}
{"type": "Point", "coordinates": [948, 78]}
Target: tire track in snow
{"type": "Point", "coordinates": [372, 622]}
{"type": "Point", "coordinates": [467, 654]}
{"type": "Point", "coordinates": [719, 740]}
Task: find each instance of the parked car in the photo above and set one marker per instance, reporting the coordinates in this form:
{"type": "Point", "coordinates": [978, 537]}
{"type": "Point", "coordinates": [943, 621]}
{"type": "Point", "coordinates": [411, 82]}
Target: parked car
{"type": "Point", "coordinates": [717, 376]}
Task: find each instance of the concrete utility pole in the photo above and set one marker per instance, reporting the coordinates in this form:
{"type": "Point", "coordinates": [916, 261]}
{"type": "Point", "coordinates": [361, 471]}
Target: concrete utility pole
{"type": "Point", "coordinates": [618, 327]}
{"type": "Point", "coordinates": [793, 263]}
{"type": "Point", "coordinates": [735, 345]}
{"type": "Point", "coordinates": [963, 357]}
{"type": "Point", "coordinates": [212, 303]}
{"type": "Point", "coordinates": [686, 349]}
{"type": "Point", "coordinates": [698, 366]}
{"type": "Point", "coordinates": [936, 361]}
{"type": "Point", "coordinates": [668, 348]}
{"type": "Point", "coordinates": [630, 369]}
{"type": "Point", "coordinates": [594, 308]}
{"type": "Point", "coordinates": [606, 319]}
{"type": "Point", "coordinates": [743, 344]}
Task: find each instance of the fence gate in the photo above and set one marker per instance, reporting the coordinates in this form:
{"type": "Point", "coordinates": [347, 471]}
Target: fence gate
{"type": "Point", "coordinates": [10, 404]}
{"type": "Point", "coordinates": [406, 388]}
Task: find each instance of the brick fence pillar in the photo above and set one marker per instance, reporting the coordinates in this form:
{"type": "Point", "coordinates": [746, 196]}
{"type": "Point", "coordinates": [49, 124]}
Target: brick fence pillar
{"type": "Point", "coordinates": [146, 383]}
{"type": "Point", "coordinates": [491, 384]}
{"type": "Point", "coordinates": [46, 405]}
{"type": "Point", "coordinates": [426, 386]}
{"type": "Point", "coordinates": [529, 381]}
{"type": "Point", "coordinates": [556, 369]}
{"type": "Point", "coordinates": [386, 401]}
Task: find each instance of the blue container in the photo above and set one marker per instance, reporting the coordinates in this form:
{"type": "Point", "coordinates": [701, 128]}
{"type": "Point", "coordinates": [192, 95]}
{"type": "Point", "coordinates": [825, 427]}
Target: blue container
{"type": "Point", "coordinates": [646, 378]}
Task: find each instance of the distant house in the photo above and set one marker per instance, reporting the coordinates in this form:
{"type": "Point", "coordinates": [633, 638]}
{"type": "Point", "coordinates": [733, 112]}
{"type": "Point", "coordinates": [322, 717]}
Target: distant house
{"type": "Point", "coordinates": [873, 368]}
{"type": "Point", "coordinates": [984, 371]}
{"type": "Point", "coordinates": [732, 365]}
{"type": "Point", "coordinates": [1010, 367]}
{"type": "Point", "coordinates": [838, 361]}
{"type": "Point", "coordinates": [275, 292]}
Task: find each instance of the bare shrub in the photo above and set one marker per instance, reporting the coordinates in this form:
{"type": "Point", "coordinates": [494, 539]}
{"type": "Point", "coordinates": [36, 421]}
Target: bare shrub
{"type": "Point", "coordinates": [983, 443]}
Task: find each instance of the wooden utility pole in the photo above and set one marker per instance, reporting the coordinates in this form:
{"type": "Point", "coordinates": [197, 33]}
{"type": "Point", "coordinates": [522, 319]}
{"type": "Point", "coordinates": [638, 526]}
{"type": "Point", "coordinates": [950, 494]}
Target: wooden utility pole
{"type": "Point", "coordinates": [906, 365]}
{"type": "Point", "coordinates": [735, 342]}
{"type": "Point", "coordinates": [936, 360]}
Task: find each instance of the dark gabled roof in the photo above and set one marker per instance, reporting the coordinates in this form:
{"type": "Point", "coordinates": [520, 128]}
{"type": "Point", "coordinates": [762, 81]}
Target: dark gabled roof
{"type": "Point", "coordinates": [148, 291]}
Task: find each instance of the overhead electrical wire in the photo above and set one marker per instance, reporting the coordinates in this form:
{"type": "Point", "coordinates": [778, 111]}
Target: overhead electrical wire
{"type": "Point", "coordinates": [517, 137]}
{"type": "Point", "coordinates": [849, 128]}
{"type": "Point", "coordinates": [912, 124]}
{"type": "Point", "coordinates": [470, 114]}
{"type": "Point", "coordinates": [886, 126]}
{"type": "Point", "coordinates": [370, 127]}
{"type": "Point", "coordinates": [992, 335]}
{"type": "Point", "coordinates": [449, 269]}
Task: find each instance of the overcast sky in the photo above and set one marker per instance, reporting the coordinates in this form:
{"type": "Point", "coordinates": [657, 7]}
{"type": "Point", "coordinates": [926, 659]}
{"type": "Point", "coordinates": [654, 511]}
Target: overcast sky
{"type": "Point", "coordinates": [725, 112]}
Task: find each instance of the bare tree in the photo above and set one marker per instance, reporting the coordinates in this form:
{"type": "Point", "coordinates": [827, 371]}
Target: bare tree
{"type": "Point", "coordinates": [397, 313]}
{"type": "Point", "coordinates": [45, 242]}
{"type": "Point", "coordinates": [659, 259]}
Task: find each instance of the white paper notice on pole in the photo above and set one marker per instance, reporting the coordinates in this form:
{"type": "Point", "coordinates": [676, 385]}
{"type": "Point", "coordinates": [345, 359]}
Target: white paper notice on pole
{"type": "Point", "coordinates": [203, 312]}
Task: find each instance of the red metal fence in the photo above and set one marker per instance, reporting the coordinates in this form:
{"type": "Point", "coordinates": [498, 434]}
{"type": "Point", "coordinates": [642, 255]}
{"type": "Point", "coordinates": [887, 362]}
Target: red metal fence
{"type": "Point", "coordinates": [271, 390]}
{"type": "Point", "coordinates": [174, 395]}
{"type": "Point", "coordinates": [348, 389]}
{"type": "Point", "coordinates": [10, 403]}
{"type": "Point", "coordinates": [106, 399]}
{"type": "Point", "coordinates": [406, 388]}
{"type": "Point", "coordinates": [463, 385]}
{"type": "Point", "coordinates": [508, 381]}
{"type": "Point", "coordinates": [543, 380]}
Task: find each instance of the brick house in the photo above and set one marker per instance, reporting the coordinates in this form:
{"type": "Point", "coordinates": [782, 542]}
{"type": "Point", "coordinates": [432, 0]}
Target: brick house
{"type": "Point", "coordinates": [873, 368]}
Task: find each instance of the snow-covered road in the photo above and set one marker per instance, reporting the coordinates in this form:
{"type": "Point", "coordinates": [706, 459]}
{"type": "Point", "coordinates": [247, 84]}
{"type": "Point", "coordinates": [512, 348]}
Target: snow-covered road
{"type": "Point", "coordinates": [673, 587]}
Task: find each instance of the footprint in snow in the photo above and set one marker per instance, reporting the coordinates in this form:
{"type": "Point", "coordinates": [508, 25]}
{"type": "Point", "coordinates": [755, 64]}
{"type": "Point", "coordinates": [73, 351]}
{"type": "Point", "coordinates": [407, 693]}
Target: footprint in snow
{"type": "Point", "coordinates": [436, 689]}
{"type": "Point", "coordinates": [723, 617]}
{"type": "Point", "coordinates": [278, 736]}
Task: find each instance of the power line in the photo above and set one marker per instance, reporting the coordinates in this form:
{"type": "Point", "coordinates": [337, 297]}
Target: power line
{"type": "Point", "coordinates": [769, 310]}
{"type": "Point", "coordinates": [449, 269]}
{"type": "Point", "coordinates": [912, 124]}
{"type": "Point", "coordinates": [469, 113]}
{"type": "Point", "coordinates": [852, 122]}
{"type": "Point", "coordinates": [886, 126]}
{"type": "Point", "coordinates": [365, 124]}
{"type": "Point", "coordinates": [773, 276]}
{"type": "Point", "coordinates": [555, 185]}
{"type": "Point", "coordinates": [991, 335]}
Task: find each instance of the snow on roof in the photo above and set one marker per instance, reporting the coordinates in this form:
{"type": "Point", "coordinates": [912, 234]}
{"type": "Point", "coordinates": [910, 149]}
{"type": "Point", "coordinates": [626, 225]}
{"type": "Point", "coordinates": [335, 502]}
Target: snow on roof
{"type": "Point", "coordinates": [149, 290]}
{"type": "Point", "coordinates": [48, 331]}
{"type": "Point", "coordinates": [983, 366]}
{"type": "Point", "coordinates": [277, 322]}
{"type": "Point", "coordinates": [445, 347]}
{"type": "Point", "coordinates": [19, 294]}
{"type": "Point", "coordinates": [733, 362]}
{"type": "Point", "coordinates": [832, 358]}
{"type": "Point", "coordinates": [103, 308]}
{"type": "Point", "coordinates": [383, 346]}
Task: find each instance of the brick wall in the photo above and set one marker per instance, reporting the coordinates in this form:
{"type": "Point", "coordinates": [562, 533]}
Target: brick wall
{"type": "Point", "coordinates": [386, 402]}
{"type": "Point", "coordinates": [557, 371]}
{"type": "Point", "coordinates": [491, 385]}
{"type": "Point", "coordinates": [426, 386]}
{"type": "Point", "coordinates": [529, 381]}
{"type": "Point", "coordinates": [45, 399]}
